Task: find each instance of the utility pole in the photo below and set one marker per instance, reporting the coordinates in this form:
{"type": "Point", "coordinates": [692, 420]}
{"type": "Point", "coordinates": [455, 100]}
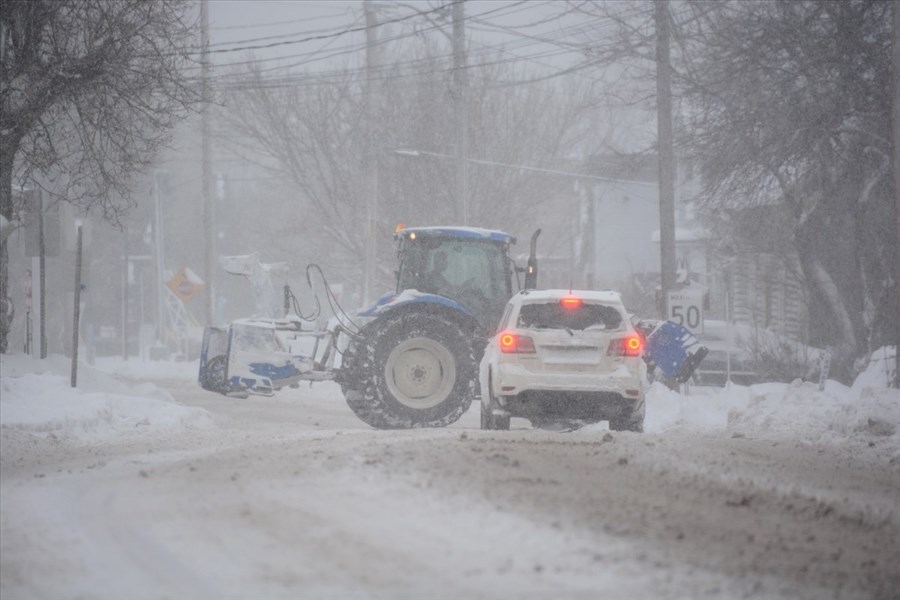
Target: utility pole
{"type": "Point", "coordinates": [665, 153]}
{"type": "Point", "coordinates": [160, 255]}
{"type": "Point", "coordinates": [895, 128]}
{"type": "Point", "coordinates": [77, 314]}
{"type": "Point", "coordinates": [209, 212]}
{"type": "Point", "coordinates": [42, 268]}
{"type": "Point", "coordinates": [125, 294]}
{"type": "Point", "coordinates": [371, 258]}
{"type": "Point", "coordinates": [460, 106]}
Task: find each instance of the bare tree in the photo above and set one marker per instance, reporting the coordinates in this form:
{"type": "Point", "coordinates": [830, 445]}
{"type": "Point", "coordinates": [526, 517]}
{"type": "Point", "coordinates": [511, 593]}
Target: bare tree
{"type": "Point", "coordinates": [784, 107]}
{"type": "Point", "coordinates": [89, 91]}
{"type": "Point", "coordinates": [789, 105]}
{"type": "Point", "coordinates": [313, 132]}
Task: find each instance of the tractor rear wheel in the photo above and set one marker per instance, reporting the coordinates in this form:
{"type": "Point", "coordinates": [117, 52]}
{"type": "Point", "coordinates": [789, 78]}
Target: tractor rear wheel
{"type": "Point", "coordinates": [415, 370]}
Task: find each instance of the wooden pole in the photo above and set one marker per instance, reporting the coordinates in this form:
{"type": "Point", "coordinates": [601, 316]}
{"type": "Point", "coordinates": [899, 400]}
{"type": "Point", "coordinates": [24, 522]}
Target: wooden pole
{"type": "Point", "coordinates": [208, 202]}
{"type": "Point", "coordinates": [895, 128]}
{"type": "Point", "coordinates": [371, 215]}
{"type": "Point", "coordinates": [460, 109]}
{"type": "Point", "coordinates": [42, 277]}
{"type": "Point", "coordinates": [125, 295]}
{"type": "Point", "coordinates": [77, 309]}
{"type": "Point", "coordinates": [665, 153]}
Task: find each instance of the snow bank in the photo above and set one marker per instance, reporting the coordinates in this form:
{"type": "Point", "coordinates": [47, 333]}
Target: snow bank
{"type": "Point", "coordinates": [801, 410]}
{"type": "Point", "coordinates": [867, 411]}
{"type": "Point", "coordinates": [36, 396]}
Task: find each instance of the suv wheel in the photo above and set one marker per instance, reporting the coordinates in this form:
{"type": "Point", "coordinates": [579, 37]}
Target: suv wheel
{"type": "Point", "coordinates": [488, 419]}
{"type": "Point", "coordinates": [632, 421]}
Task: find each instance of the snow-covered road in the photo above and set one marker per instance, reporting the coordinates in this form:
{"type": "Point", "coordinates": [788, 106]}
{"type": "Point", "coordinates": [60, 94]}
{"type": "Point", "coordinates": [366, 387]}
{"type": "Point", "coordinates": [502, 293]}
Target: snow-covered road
{"type": "Point", "coordinates": [292, 496]}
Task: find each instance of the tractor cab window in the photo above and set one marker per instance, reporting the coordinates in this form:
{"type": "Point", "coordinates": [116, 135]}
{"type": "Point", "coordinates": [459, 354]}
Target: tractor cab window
{"type": "Point", "coordinates": [472, 272]}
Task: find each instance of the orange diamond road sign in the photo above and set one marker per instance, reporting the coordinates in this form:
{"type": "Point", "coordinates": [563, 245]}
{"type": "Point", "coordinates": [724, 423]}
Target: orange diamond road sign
{"type": "Point", "coordinates": [186, 284]}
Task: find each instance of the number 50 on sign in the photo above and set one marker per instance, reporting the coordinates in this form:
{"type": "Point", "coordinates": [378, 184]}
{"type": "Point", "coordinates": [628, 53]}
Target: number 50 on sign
{"type": "Point", "coordinates": [685, 307]}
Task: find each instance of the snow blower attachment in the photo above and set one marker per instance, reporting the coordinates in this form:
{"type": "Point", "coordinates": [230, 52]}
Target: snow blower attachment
{"type": "Point", "coordinates": [264, 354]}
{"type": "Point", "coordinates": [261, 356]}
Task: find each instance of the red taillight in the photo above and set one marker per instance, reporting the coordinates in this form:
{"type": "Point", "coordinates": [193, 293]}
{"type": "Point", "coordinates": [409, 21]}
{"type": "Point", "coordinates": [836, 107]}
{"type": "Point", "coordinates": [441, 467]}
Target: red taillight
{"type": "Point", "coordinates": [633, 345]}
{"type": "Point", "coordinates": [511, 343]}
{"type": "Point", "coordinates": [627, 346]}
{"type": "Point", "coordinates": [571, 302]}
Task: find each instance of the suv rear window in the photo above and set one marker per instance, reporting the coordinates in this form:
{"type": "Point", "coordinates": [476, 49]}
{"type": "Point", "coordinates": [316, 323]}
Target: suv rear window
{"type": "Point", "coordinates": [551, 315]}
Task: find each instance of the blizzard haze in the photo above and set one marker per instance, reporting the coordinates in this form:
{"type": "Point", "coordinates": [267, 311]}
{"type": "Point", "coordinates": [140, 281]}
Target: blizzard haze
{"type": "Point", "coordinates": [728, 166]}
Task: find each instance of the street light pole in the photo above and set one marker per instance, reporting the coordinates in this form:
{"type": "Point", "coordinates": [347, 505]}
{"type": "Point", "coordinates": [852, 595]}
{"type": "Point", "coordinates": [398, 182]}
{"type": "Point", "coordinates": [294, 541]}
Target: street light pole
{"type": "Point", "coordinates": [371, 192]}
{"type": "Point", "coordinates": [159, 246]}
{"type": "Point", "coordinates": [209, 211]}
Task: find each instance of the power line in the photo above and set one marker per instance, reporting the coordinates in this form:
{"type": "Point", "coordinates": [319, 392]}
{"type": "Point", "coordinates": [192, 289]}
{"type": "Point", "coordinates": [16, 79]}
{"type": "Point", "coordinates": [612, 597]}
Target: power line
{"type": "Point", "coordinates": [306, 79]}
{"type": "Point", "coordinates": [358, 47]}
{"type": "Point", "coordinates": [276, 23]}
{"type": "Point", "coordinates": [317, 37]}
{"type": "Point", "coordinates": [280, 36]}
{"type": "Point", "coordinates": [395, 69]}
{"type": "Point", "coordinates": [521, 44]}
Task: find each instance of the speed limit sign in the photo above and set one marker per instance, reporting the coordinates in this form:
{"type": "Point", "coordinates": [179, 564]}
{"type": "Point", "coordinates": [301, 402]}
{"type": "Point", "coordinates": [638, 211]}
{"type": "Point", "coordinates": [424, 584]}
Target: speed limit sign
{"type": "Point", "coordinates": [685, 307]}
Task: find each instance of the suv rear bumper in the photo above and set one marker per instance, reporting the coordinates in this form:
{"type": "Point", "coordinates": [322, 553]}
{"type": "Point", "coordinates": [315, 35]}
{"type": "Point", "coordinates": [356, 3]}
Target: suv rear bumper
{"type": "Point", "coordinates": [510, 380]}
{"type": "Point", "coordinates": [590, 397]}
{"type": "Point", "coordinates": [585, 406]}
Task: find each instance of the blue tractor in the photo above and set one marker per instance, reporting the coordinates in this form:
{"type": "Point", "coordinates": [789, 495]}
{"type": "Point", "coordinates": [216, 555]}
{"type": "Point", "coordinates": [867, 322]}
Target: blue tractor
{"type": "Point", "coordinates": [415, 362]}
{"type": "Point", "coordinates": [411, 359]}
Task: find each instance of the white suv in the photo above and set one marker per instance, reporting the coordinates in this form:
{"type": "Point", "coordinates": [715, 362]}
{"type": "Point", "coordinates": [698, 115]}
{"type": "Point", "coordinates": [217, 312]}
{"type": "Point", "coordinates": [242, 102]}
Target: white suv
{"type": "Point", "coordinates": [563, 356]}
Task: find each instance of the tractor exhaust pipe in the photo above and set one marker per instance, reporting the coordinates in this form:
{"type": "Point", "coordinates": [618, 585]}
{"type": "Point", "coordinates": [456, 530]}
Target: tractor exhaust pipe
{"type": "Point", "coordinates": [532, 270]}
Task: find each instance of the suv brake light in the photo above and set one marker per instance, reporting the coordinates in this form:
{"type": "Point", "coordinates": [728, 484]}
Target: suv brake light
{"type": "Point", "coordinates": [511, 343]}
{"type": "Point", "coordinates": [626, 346]}
{"type": "Point", "coordinates": [570, 302]}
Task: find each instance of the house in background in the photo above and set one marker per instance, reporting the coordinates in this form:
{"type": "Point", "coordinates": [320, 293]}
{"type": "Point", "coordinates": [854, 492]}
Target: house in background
{"type": "Point", "coordinates": [620, 229]}
{"type": "Point", "coordinates": [764, 277]}
{"type": "Point", "coordinates": [619, 249]}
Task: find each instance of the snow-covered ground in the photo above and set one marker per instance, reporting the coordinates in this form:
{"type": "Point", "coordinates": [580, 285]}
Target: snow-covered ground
{"type": "Point", "coordinates": [38, 397]}
{"type": "Point", "coordinates": [138, 484]}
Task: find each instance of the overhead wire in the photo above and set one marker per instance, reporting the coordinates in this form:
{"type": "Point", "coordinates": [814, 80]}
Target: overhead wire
{"type": "Point", "coordinates": [507, 49]}
{"type": "Point", "coordinates": [361, 46]}
{"type": "Point", "coordinates": [198, 50]}
{"type": "Point", "coordinates": [325, 33]}
{"type": "Point", "coordinates": [277, 23]}
{"type": "Point", "coordinates": [394, 71]}
{"type": "Point", "coordinates": [306, 79]}
{"type": "Point", "coordinates": [407, 69]}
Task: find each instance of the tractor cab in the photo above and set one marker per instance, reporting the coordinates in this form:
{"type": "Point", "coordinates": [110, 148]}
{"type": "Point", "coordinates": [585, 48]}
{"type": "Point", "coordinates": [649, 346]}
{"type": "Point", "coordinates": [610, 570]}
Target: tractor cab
{"type": "Point", "coordinates": [467, 265]}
